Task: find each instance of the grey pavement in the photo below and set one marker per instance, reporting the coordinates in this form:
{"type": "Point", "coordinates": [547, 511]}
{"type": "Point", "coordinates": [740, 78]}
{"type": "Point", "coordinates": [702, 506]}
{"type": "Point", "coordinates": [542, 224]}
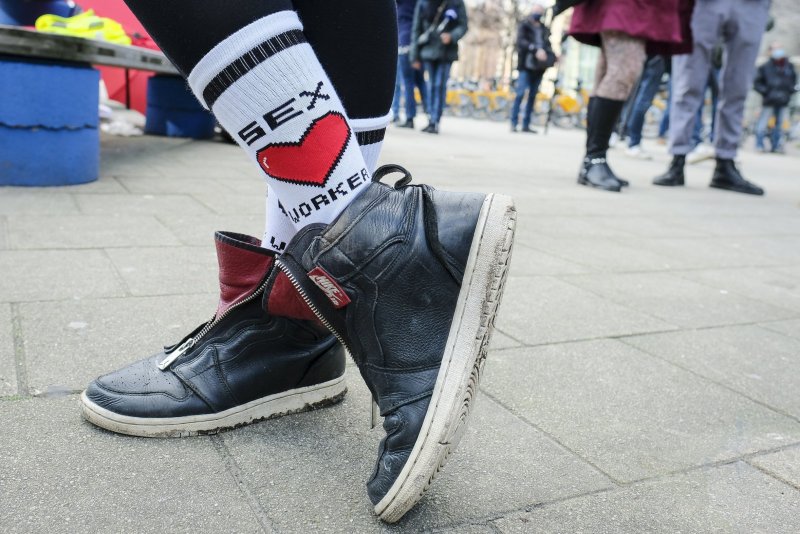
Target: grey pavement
{"type": "Point", "coordinates": [644, 375]}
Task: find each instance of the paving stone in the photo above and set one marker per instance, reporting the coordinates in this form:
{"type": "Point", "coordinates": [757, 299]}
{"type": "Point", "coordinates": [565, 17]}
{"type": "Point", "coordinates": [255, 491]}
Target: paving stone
{"type": "Point", "coordinates": [167, 270]}
{"type": "Point", "coordinates": [652, 226]}
{"type": "Point", "coordinates": [745, 225]}
{"type": "Point", "coordinates": [677, 300]}
{"type": "Point", "coordinates": [540, 309]}
{"type": "Point", "coordinates": [706, 253]}
{"type": "Point", "coordinates": [3, 233]}
{"type": "Point", "coordinates": [87, 231]}
{"type": "Point", "coordinates": [8, 374]}
{"type": "Point", "coordinates": [56, 274]}
{"type": "Point", "coordinates": [68, 344]}
{"type": "Point", "coordinates": [762, 364]}
{"type": "Point", "coordinates": [569, 226]}
{"type": "Point", "coordinates": [61, 474]}
{"type": "Point", "coordinates": [599, 254]}
{"type": "Point", "coordinates": [632, 415]}
{"type": "Point", "coordinates": [784, 465]}
{"type": "Point", "coordinates": [35, 201]}
{"type": "Point", "coordinates": [233, 204]}
{"type": "Point", "coordinates": [526, 261]}
{"type": "Point", "coordinates": [198, 230]}
{"type": "Point", "coordinates": [309, 470]}
{"type": "Point", "coordinates": [156, 185]}
{"type": "Point", "coordinates": [767, 285]}
{"type": "Point", "coordinates": [730, 498]}
{"type": "Point", "coordinates": [790, 328]}
{"type": "Point", "coordinates": [131, 204]}
{"type": "Point", "coordinates": [771, 250]}
{"type": "Point", "coordinates": [106, 184]}
{"type": "Point", "coordinates": [502, 341]}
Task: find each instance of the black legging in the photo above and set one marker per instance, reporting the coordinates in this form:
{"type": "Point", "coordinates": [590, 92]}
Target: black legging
{"type": "Point", "coordinates": [355, 40]}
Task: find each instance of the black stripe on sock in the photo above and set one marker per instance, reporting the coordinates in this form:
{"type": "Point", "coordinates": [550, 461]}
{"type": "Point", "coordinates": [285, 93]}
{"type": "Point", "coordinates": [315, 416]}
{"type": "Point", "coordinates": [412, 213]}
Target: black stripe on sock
{"type": "Point", "coordinates": [370, 137]}
{"type": "Point", "coordinates": [248, 62]}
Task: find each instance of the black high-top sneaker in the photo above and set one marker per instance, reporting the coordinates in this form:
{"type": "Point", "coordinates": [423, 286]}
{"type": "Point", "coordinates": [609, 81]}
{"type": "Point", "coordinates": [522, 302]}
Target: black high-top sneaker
{"type": "Point", "coordinates": [244, 365]}
{"type": "Point", "coordinates": [409, 279]}
{"type": "Point", "coordinates": [674, 176]}
{"type": "Point", "coordinates": [727, 176]}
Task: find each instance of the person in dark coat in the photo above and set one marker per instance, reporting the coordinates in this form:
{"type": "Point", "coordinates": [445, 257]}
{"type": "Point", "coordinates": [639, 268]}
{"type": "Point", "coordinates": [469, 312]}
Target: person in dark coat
{"type": "Point", "coordinates": [408, 78]}
{"type": "Point", "coordinates": [533, 52]}
{"type": "Point", "coordinates": [775, 82]}
{"type": "Point", "coordinates": [626, 30]}
{"type": "Point", "coordinates": [438, 26]}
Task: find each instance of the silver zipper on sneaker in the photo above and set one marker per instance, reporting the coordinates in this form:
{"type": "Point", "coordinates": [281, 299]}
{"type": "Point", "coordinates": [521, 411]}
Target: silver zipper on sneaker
{"type": "Point", "coordinates": [192, 341]}
{"type": "Point", "coordinates": [374, 410]}
{"type": "Point", "coordinates": [311, 306]}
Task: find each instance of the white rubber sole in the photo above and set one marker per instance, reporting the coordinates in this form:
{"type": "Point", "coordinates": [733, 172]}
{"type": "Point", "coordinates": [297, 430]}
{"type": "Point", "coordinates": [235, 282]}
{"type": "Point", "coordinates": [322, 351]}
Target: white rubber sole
{"type": "Point", "coordinates": [293, 401]}
{"type": "Point", "coordinates": [462, 363]}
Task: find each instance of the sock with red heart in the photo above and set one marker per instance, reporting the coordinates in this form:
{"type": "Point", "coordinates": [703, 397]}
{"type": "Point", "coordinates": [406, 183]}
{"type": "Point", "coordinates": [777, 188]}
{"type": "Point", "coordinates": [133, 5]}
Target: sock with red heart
{"type": "Point", "coordinates": [267, 88]}
{"type": "Point", "coordinates": [279, 230]}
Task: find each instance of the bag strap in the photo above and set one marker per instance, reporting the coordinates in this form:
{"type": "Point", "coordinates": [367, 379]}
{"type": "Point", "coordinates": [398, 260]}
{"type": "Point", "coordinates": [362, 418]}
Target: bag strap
{"type": "Point", "coordinates": [439, 12]}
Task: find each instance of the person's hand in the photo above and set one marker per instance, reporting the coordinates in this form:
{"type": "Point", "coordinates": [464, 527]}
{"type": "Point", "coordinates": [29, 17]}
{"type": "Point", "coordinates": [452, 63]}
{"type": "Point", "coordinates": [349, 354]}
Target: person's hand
{"type": "Point", "coordinates": [447, 38]}
{"type": "Point", "coordinates": [541, 55]}
{"type": "Point", "coordinates": [417, 65]}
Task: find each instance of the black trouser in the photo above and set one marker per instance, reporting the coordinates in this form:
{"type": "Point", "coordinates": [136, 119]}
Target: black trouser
{"type": "Point", "coordinates": [355, 40]}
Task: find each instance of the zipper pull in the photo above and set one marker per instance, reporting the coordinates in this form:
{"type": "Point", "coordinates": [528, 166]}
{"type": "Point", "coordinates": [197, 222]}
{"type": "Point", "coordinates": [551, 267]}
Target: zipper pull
{"type": "Point", "coordinates": [175, 354]}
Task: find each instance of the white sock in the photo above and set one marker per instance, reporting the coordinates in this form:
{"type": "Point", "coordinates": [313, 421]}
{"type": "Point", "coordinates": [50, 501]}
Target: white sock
{"type": "Point", "coordinates": [267, 88]}
{"type": "Point", "coordinates": [278, 229]}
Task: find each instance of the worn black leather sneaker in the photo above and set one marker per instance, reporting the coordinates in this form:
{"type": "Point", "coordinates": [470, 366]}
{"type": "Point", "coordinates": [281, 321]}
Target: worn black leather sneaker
{"type": "Point", "coordinates": [245, 365]}
{"type": "Point", "coordinates": [409, 279]}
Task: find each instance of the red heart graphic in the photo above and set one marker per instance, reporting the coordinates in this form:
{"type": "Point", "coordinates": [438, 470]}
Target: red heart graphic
{"type": "Point", "coordinates": [311, 160]}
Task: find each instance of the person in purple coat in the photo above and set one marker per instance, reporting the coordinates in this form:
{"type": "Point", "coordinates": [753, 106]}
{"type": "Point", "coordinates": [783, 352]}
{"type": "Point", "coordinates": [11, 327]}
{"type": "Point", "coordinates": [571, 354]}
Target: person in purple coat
{"type": "Point", "coordinates": [625, 30]}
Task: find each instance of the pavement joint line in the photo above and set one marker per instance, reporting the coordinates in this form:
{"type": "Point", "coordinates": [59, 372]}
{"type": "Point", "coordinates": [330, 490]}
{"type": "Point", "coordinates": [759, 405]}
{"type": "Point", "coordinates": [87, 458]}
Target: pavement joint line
{"type": "Point", "coordinates": [236, 474]}
{"type": "Point", "coordinates": [711, 465]}
{"type": "Point", "coordinates": [118, 275]}
{"type": "Point", "coordinates": [772, 473]}
{"type": "Point", "coordinates": [20, 363]}
{"type": "Point", "coordinates": [632, 483]}
{"type": "Point", "coordinates": [588, 339]}
{"type": "Point", "coordinates": [565, 279]}
{"type": "Point", "coordinates": [763, 404]}
{"type": "Point", "coordinates": [508, 336]}
{"type": "Point", "coordinates": [536, 427]}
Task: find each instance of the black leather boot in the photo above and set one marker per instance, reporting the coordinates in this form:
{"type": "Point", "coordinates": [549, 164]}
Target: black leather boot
{"type": "Point", "coordinates": [409, 279]}
{"type": "Point", "coordinates": [244, 365]}
{"type": "Point", "coordinates": [602, 114]}
{"type": "Point", "coordinates": [727, 176]}
{"type": "Point", "coordinates": [408, 124]}
{"type": "Point", "coordinates": [674, 175]}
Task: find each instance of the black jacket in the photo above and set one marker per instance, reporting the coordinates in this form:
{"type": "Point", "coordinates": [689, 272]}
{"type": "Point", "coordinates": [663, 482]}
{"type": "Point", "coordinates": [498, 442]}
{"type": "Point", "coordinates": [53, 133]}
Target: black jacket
{"type": "Point", "coordinates": [776, 82]}
{"type": "Point", "coordinates": [434, 49]}
{"type": "Point", "coordinates": [527, 39]}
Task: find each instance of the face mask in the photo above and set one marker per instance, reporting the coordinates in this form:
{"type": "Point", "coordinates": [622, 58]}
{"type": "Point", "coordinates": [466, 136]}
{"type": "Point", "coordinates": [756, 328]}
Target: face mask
{"type": "Point", "coordinates": [778, 53]}
{"type": "Point", "coordinates": [537, 17]}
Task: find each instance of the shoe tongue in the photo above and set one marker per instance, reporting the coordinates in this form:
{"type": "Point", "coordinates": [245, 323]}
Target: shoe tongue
{"type": "Point", "coordinates": [243, 265]}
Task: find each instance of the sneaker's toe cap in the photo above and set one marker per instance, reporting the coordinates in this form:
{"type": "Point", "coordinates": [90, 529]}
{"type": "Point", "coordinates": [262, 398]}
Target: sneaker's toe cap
{"type": "Point", "coordinates": [143, 390]}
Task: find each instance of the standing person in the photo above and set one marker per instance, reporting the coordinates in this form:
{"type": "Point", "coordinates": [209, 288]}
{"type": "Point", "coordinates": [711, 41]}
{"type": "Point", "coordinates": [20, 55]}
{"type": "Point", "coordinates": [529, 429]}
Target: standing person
{"type": "Point", "coordinates": [534, 56]}
{"type": "Point", "coordinates": [626, 30]}
{"type": "Point", "coordinates": [405, 278]}
{"type": "Point", "coordinates": [649, 84]}
{"type": "Point", "coordinates": [438, 26]}
{"type": "Point", "coordinates": [775, 82]}
{"type": "Point", "coordinates": [407, 77]}
{"type": "Point", "coordinates": [741, 25]}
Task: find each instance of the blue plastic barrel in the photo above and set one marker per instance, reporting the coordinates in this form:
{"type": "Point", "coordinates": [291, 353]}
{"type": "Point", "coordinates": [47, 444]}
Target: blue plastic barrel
{"type": "Point", "coordinates": [48, 123]}
{"type": "Point", "coordinates": [173, 111]}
